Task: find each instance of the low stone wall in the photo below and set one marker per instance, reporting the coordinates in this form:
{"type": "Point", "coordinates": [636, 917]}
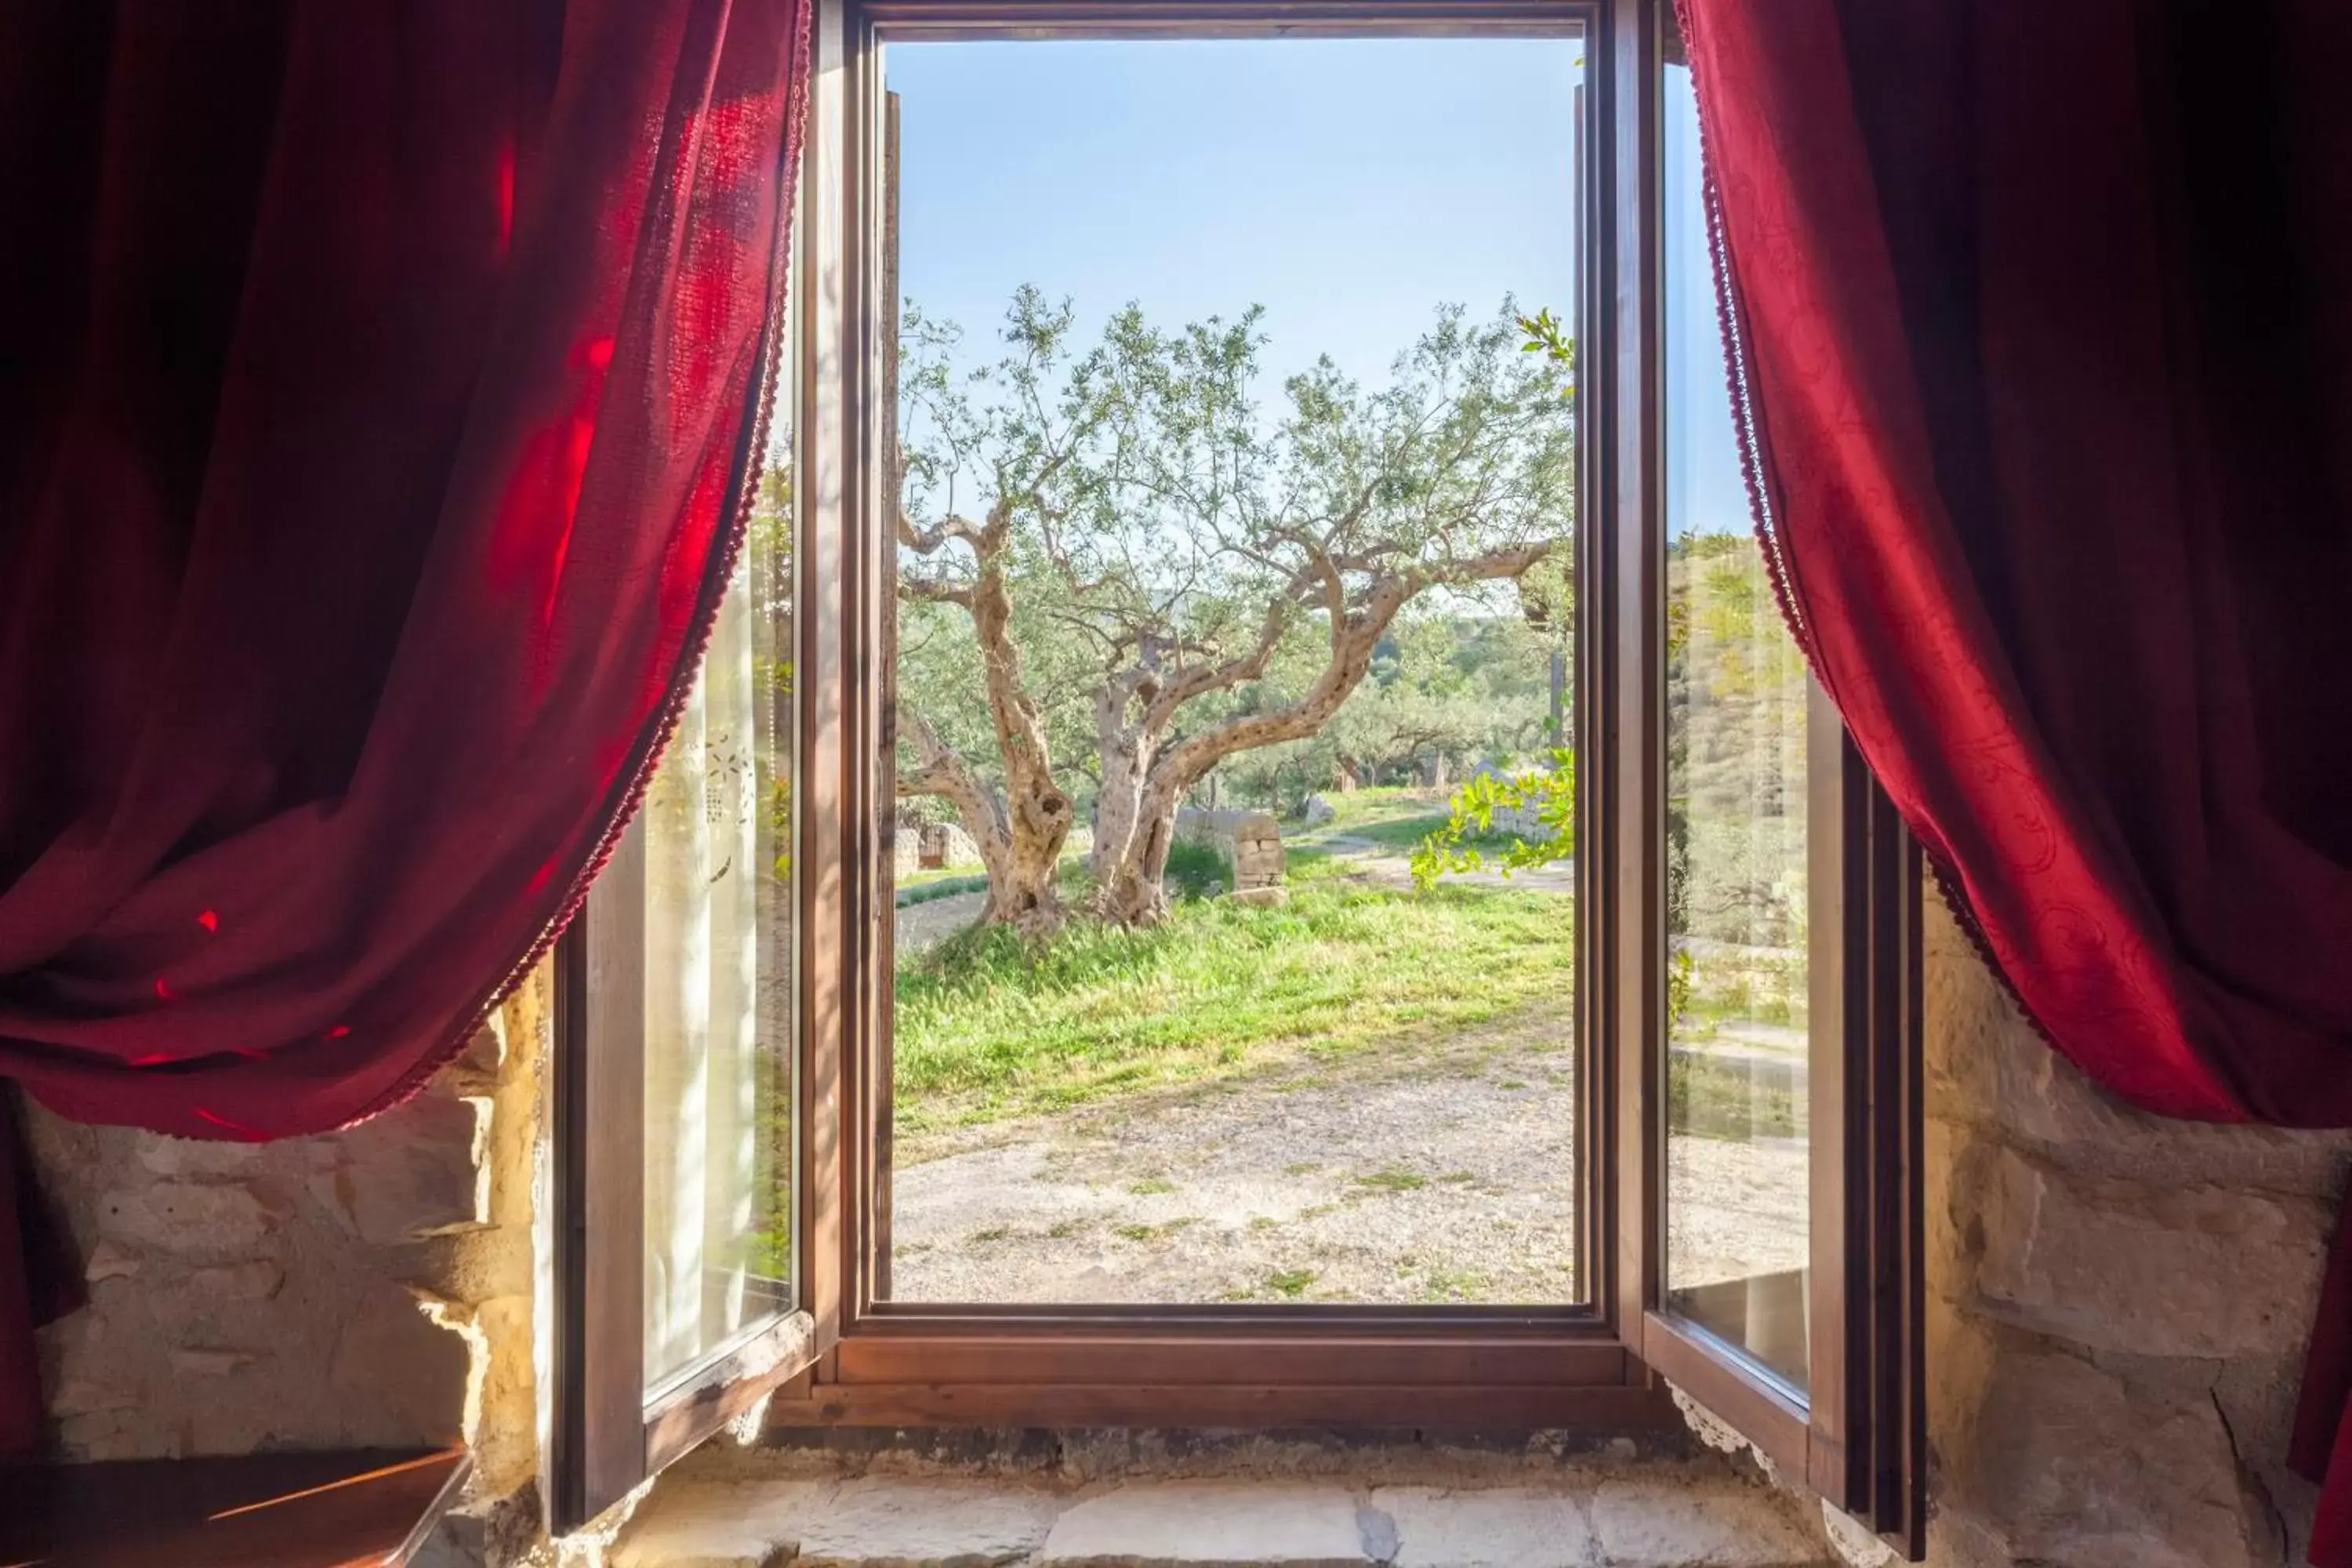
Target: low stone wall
{"type": "Point", "coordinates": [375, 1288]}
{"type": "Point", "coordinates": [2117, 1306]}
{"type": "Point", "coordinates": [958, 849]}
{"type": "Point", "coordinates": [1250, 841]}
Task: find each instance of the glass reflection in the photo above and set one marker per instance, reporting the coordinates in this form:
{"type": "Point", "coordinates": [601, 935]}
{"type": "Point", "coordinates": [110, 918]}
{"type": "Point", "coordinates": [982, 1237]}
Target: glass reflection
{"type": "Point", "coordinates": [1737, 1041]}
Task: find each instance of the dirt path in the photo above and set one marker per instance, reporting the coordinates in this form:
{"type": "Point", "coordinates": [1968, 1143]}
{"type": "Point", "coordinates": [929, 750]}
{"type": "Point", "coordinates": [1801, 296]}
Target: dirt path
{"type": "Point", "coordinates": [920, 926]}
{"type": "Point", "coordinates": [1423, 1172]}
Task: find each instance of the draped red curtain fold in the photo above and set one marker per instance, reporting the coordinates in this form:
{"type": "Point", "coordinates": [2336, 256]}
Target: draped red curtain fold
{"type": "Point", "coordinates": [2044, 354]}
{"type": "Point", "coordinates": [380, 385]}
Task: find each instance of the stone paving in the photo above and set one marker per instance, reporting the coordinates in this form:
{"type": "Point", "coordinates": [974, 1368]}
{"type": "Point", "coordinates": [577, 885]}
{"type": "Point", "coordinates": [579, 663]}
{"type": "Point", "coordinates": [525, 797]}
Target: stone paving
{"type": "Point", "coordinates": [1680, 1519]}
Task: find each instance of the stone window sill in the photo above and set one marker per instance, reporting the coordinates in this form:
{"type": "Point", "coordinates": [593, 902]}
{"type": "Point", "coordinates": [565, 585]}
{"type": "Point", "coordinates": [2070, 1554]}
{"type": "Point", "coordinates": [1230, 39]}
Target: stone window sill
{"type": "Point", "coordinates": [1631, 1516]}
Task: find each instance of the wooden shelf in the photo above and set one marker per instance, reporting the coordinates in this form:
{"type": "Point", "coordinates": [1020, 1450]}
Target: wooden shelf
{"type": "Point", "coordinates": [356, 1508]}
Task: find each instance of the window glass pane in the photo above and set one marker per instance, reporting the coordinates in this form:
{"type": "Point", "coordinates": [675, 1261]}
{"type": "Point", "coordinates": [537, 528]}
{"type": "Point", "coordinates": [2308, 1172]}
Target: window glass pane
{"type": "Point", "coordinates": [720, 1138]}
{"type": "Point", "coordinates": [1239, 560]}
{"type": "Point", "coordinates": [1738, 1042]}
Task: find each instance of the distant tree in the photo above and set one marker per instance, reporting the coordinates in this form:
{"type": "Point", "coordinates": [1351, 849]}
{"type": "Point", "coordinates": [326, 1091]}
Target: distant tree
{"type": "Point", "coordinates": [1147, 540]}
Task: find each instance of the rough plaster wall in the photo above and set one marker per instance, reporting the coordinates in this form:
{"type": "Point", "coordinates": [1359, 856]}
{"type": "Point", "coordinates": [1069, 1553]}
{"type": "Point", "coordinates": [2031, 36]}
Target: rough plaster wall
{"type": "Point", "coordinates": [371, 1288]}
{"type": "Point", "coordinates": [2117, 1306]}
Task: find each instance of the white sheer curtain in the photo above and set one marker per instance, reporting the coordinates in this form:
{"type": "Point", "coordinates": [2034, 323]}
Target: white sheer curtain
{"type": "Point", "coordinates": [710, 1173]}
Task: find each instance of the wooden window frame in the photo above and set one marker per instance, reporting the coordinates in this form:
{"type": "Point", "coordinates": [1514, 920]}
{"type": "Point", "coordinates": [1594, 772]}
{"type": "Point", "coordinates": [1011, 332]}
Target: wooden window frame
{"type": "Point", "coordinates": [1604, 1364]}
{"type": "Point", "coordinates": [905, 1362]}
{"type": "Point", "coordinates": [1857, 1436]}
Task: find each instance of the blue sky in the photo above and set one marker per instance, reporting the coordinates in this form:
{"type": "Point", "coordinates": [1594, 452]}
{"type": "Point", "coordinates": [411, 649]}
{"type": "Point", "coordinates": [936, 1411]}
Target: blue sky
{"type": "Point", "coordinates": [1349, 187]}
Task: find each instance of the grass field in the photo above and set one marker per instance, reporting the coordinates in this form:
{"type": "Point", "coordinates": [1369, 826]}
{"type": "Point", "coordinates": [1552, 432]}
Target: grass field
{"type": "Point", "coordinates": [988, 1029]}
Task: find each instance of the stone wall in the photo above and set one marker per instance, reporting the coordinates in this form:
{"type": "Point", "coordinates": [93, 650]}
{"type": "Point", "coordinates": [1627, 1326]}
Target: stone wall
{"type": "Point", "coordinates": [2117, 1306]}
{"type": "Point", "coordinates": [1250, 842]}
{"type": "Point", "coordinates": [372, 1287]}
{"type": "Point", "coordinates": [960, 851]}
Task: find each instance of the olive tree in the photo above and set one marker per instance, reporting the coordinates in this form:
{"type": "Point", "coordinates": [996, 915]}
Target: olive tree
{"type": "Point", "coordinates": [1103, 550]}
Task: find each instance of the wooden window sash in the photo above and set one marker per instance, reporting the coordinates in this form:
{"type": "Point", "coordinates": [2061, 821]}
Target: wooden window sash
{"type": "Point", "coordinates": [1177, 1346]}
{"type": "Point", "coordinates": [1857, 1435]}
{"type": "Point", "coordinates": [610, 1432]}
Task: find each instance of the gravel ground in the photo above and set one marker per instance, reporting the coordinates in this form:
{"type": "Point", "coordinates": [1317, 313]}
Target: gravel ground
{"type": "Point", "coordinates": [920, 926]}
{"type": "Point", "coordinates": [1443, 1174]}
{"type": "Point", "coordinates": [1440, 1174]}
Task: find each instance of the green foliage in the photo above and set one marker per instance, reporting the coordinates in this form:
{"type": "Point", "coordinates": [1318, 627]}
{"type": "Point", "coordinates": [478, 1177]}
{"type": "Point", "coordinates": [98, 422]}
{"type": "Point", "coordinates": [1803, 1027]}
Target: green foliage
{"type": "Point", "coordinates": [1681, 972]}
{"type": "Point", "coordinates": [1468, 841]}
{"type": "Point", "coordinates": [1545, 335]}
{"type": "Point", "coordinates": [1166, 507]}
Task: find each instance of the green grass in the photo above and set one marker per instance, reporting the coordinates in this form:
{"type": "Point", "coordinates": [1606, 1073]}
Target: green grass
{"type": "Point", "coordinates": [1290, 1283]}
{"type": "Point", "coordinates": [987, 1027]}
{"type": "Point", "coordinates": [1705, 1099]}
{"type": "Point", "coordinates": [1357, 808]}
{"type": "Point", "coordinates": [922, 887]}
{"type": "Point", "coordinates": [1393, 817]}
{"type": "Point", "coordinates": [1396, 1179]}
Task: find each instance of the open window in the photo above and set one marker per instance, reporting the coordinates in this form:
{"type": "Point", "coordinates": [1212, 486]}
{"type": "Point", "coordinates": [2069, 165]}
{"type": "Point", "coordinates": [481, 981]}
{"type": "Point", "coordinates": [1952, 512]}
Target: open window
{"type": "Point", "coordinates": [1054, 1066]}
{"type": "Point", "coordinates": [684, 1033]}
{"type": "Point", "coordinates": [1781, 1192]}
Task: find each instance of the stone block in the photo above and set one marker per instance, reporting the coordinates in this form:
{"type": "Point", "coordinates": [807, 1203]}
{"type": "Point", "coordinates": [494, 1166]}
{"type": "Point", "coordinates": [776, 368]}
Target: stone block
{"type": "Point", "coordinates": [256, 1280]}
{"type": "Point", "coordinates": [204, 1361]}
{"type": "Point", "coordinates": [1502, 1527]}
{"type": "Point", "coordinates": [197, 1157]}
{"type": "Point", "coordinates": [85, 1396]}
{"type": "Point", "coordinates": [416, 1171]}
{"type": "Point", "coordinates": [705, 1525]}
{"type": "Point", "coordinates": [109, 1261]}
{"type": "Point", "coordinates": [1653, 1522]}
{"type": "Point", "coordinates": [397, 1376]}
{"type": "Point", "coordinates": [2055, 1460]}
{"type": "Point", "coordinates": [886, 1523]}
{"type": "Point", "coordinates": [2140, 1268]}
{"type": "Point", "coordinates": [1987, 1067]}
{"type": "Point", "coordinates": [186, 1217]}
{"type": "Point", "coordinates": [1209, 1524]}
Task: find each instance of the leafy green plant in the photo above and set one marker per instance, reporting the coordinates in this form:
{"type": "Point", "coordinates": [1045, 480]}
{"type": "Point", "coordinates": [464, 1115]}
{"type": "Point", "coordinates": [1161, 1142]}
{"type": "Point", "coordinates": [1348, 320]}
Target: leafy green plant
{"type": "Point", "coordinates": [1290, 1283]}
{"type": "Point", "coordinates": [1468, 841]}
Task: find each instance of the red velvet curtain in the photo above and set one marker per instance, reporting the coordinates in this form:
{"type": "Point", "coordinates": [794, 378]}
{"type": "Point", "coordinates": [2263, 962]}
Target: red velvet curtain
{"type": "Point", "coordinates": [2043, 326]}
{"type": "Point", "coordinates": [379, 385]}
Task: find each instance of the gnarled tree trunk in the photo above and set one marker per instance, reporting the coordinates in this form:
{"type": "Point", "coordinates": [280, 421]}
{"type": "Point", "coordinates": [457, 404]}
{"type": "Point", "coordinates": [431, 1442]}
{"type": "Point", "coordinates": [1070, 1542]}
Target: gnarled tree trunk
{"type": "Point", "coordinates": [1129, 871]}
{"type": "Point", "coordinates": [1021, 835]}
